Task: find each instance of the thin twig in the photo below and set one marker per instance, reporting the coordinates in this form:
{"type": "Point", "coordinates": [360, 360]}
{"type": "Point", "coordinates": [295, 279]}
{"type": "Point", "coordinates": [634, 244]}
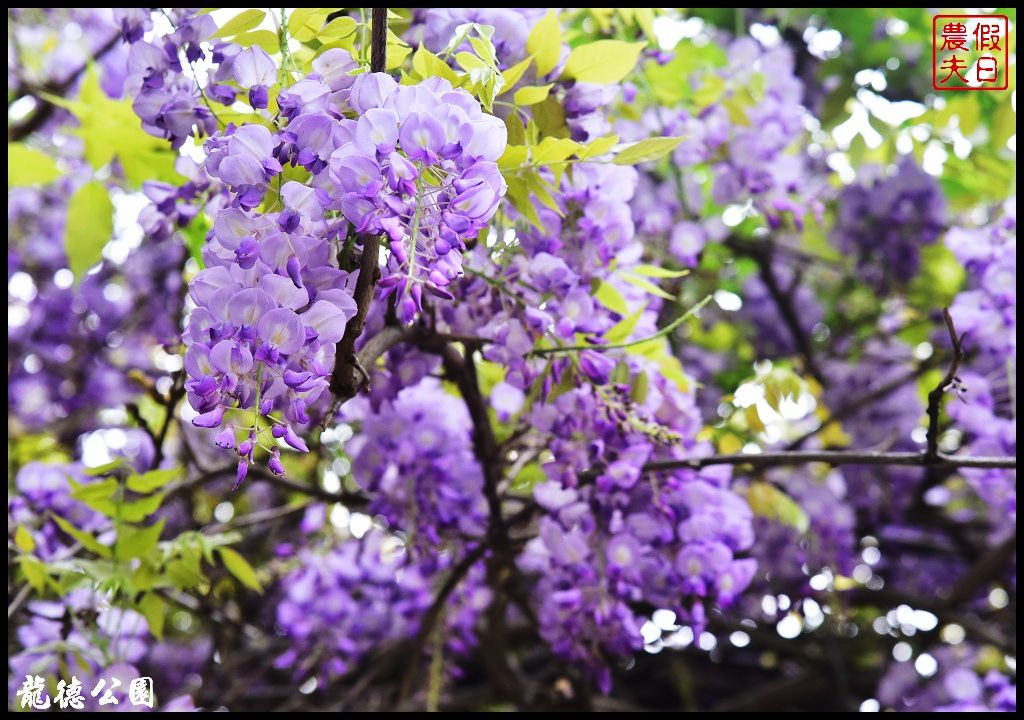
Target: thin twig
{"type": "Point", "coordinates": [949, 380]}
{"type": "Point", "coordinates": [830, 457]}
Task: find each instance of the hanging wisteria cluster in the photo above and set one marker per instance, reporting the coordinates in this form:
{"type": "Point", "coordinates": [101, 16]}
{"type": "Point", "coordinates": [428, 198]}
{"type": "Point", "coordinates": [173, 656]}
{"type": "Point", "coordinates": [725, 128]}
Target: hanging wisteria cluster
{"type": "Point", "coordinates": [504, 359]}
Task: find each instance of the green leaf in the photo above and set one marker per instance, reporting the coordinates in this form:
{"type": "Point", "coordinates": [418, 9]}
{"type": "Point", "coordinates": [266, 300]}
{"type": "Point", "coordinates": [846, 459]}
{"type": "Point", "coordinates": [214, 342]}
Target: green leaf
{"type": "Point", "coordinates": [95, 495]}
{"type": "Point", "coordinates": [531, 474]}
{"type": "Point", "coordinates": [185, 574]}
{"type": "Point", "coordinates": [609, 296]}
{"type": "Point", "coordinates": [106, 468]}
{"type": "Point", "coordinates": [240, 568]}
{"type": "Point", "coordinates": [553, 150]}
{"type": "Point", "coordinates": [305, 23]}
{"type": "Point", "coordinates": [266, 40]}
{"type": "Point", "coordinates": [243, 22]}
{"type": "Point", "coordinates": [26, 166]}
{"type": "Point", "coordinates": [647, 150]}
{"type": "Point", "coordinates": [337, 29]}
{"type": "Point", "coordinates": [152, 607]}
{"type": "Point", "coordinates": [710, 91]}
{"type": "Point", "coordinates": [136, 542]}
{"type": "Point", "coordinates": [598, 147]}
{"type": "Point", "coordinates": [427, 64]}
{"type": "Point", "coordinates": [531, 94]}
{"type": "Point", "coordinates": [544, 43]}
{"type": "Point", "coordinates": [647, 286]}
{"type": "Point", "coordinates": [657, 272]}
{"type": "Point", "coordinates": [89, 225]}
{"type": "Point", "coordinates": [23, 540]}
{"type": "Point", "coordinates": [511, 76]}
{"type": "Point", "coordinates": [110, 128]}
{"type": "Point", "coordinates": [768, 501]}
{"type": "Point", "coordinates": [89, 542]}
{"type": "Point", "coordinates": [34, 571]}
{"type": "Point", "coordinates": [621, 330]}
{"type": "Point", "coordinates": [152, 480]}
{"type": "Point", "coordinates": [603, 62]}
{"type": "Point", "coordinates": [141, 509]}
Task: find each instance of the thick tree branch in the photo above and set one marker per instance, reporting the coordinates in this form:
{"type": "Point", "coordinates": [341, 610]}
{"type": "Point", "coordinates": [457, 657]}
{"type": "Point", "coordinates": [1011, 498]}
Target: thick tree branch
{"type": "Point", "coordinates": [349, 376]}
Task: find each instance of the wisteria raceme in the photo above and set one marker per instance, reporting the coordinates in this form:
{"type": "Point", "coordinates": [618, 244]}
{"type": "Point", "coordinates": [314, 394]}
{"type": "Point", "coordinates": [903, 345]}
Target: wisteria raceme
{"type": "Point", "coordinates": [771, 338]}
{"type": "Point", "coordinates": [788, 556]}
{"type": "Point", "coordinates": [887, 422]}
{"type": "Point", "coordinates": [598, 233]}
{"type": "Point", "coordinates": [54, 318]}
{"type": "Point", "coordinates": [417, 165]}
{"type": "Point", "coordinates": [414, 456]}
{"type": "Point", "coordinates": [749, 160]}
{"type": "Point", "coordinates": [263, 331]}
{"type": "Point", "coordinates": [884, 221]}
{"type": "Point", "coordinates": [624, 542]}
{"type": "Point", "coordinates": [339, 605]}
{"type": "Point", "coordinates": [436, 28]}
{"type": "Point", "coordinates": [955, 686]}
{"type": "Point", "coordinates": [165, 94]}
{"type": "Point", "coordinates": [420, 168]}
{"type": "Point", "coordinates": [108, 647]}
{"type": "Point", "coordinates": [986, 314]}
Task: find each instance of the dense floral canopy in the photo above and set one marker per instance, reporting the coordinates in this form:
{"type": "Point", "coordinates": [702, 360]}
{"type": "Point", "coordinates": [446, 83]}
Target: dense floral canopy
{"type": "Point", "coordinates": [481, 359]}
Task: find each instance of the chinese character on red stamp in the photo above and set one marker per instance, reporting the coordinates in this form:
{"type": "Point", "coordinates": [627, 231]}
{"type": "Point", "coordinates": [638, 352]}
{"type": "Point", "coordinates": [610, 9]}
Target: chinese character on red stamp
{"type": "Point", "coordinates": [970, 52]}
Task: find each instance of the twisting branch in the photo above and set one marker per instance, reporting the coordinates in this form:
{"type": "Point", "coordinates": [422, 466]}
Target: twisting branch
{"type": "Point", "coordinates": [349, 376]}
{"type": "Point", "coordinates": [949, 380]}
{"type": "Point", "coordinates": [430, 617]}
{"type": "Point", "coordinates": [762, 254]}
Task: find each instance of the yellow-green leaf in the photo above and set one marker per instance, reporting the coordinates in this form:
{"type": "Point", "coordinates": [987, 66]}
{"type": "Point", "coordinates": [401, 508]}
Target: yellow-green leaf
{"type": "Point", "coordinates": [647, 150]}
{"type": "Point", "coordinates": [89, 542]}
{"type": "Point", "coordinates": [152, 607]}
{"type": "Point", "coordinates": [337, 29]}
{"type": "Point", "coordinates": [26, 166]}
{"type": "Point", "coordinates": [243, 22]}
{"type": "Point", "coordinates": [603, 62]}
{"type": "Point", "coordinates": [150, 481]}
{"type": "Point", "coordinates": [305, 23]}
{"type": "Point", "coordinates": [34, 571]}
{"type": "Point", "coordinates": [264, 39]}
{"type": "Point", "coordinates": [768, 501]}
{"type": "Point", "coordinates": [427, 64]}
{"type": "Point", "coordinates": [239, 567]}
{"type": "Point", "coordinates": [598, 147]}
{"type": "Point", "coordinates": [136, 542]}
{"type": "Point", "coordinates": [89, 225]}
{"type": "Point", "coordinates": [609, 296]}
{"type": "Point", "coordinates": [545, 43]}
{"type": "Point", "coordinates": [531, 94]}
{"type": "Point", "coordinates": [647, 286]}
{"type": "Point", "coordinates": [511, 76]}
{"type": "Point", "coordinates": [657, 272]}
{"type": "Point", "coordinates": [23, 539]}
